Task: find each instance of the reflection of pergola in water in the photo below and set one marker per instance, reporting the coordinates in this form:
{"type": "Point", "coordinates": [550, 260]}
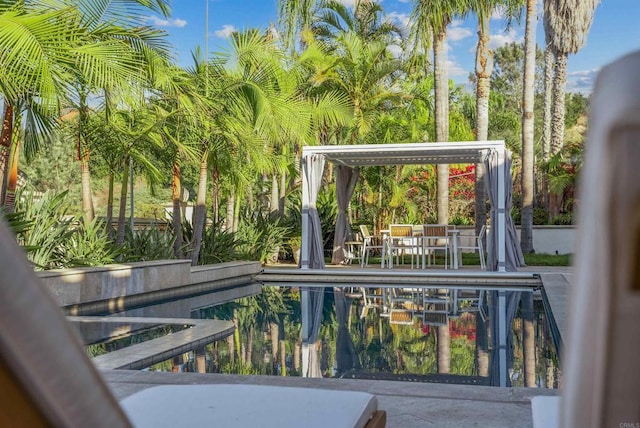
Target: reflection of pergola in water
{"type": "Point", "coordinates": [504, 252]}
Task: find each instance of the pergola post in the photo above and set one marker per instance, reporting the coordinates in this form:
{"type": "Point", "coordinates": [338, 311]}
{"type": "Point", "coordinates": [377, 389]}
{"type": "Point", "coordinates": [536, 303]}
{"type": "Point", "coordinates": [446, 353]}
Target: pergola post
{"type": "Point", "coordinates": [502, 223]}
{"type": "Point", "coordinates": [304, 264]}
{"type": "Point", "coordinates": [304, 244]}
{"type": "Point", "coordinates": [502, 337]}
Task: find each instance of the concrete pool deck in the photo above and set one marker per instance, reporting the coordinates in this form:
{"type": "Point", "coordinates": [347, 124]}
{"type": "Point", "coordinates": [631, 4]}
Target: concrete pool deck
{"type": "Point", "coordinates": [407, 404]}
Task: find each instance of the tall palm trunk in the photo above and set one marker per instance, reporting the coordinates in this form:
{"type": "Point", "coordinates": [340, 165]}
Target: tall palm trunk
{"type": "Point", "coordinates": [275, 195]}
{"type": "Point", "coordinates": [557, 119]}
{"type": "Point", "coordinates": [5, 146]}
{"type": "Point", "coordinates": [249, 349]}
{"type": "Point", "coordinates": [558, 108]}
{"type": "Point", "coordinates": [177, 211]}
{"type": "Point", "coordinates": [230, 346]}
{"type": "Point", "coordinates": [526, 238]}
{"type": "Point", "coordinates": [550, 375]}
{"type": "Point", "coordinates": [215, 194]}
{"type": "Point", "coordinates": [297, 356]}
{"type": "Point", "coordinates": [123, 203]}
{"type": "Point", "coordinates": [482, 347]}
{"type": "Point", "coordinates": [283, 346]}
{"type": "Point", "coordinates": [441, 84]}
{"type": "Point", "coordinates": [444, 350]}
{"type": "Point", "coordinates": [231, 204]}
{"type": "Point", "coordinates": [484, 68]}
{"type": "Point", "coordinates": [83, 157]}
{"type": "Point", "coordinates": [273, 331]}
{"type": "Point", "coordinates": [12, 182]}
{"type": "Point", "coordinates": [528, 338]}
{"type": "Point", "coordinates": [546, 119]}
{"type": "Point", "coordinates": [236, 215]}
{"type": "Point", "coordinates": [200, 213]}
{"type": "Point", "coordinates": [283, 194]}
{"type": "Point", "coordinates": [85, 176]}
{"type": "Point", "coordinates": [236, 334]}
{"type": "Point", "coordinates": [109, 213]}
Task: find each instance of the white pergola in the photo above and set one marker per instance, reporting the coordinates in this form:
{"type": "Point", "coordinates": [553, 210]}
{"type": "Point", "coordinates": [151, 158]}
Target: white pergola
{"type": "Point", "coordinates": [504, 253]}
{"type": "Point", "coordinates": [405, 154]}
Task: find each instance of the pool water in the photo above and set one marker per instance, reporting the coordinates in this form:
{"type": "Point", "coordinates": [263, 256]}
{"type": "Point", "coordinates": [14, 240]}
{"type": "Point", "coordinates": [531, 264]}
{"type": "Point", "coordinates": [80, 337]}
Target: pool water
{"type": "Point", "coordinates": [101, 337]}
{"type": "Point", "coordinates": [444, 335]}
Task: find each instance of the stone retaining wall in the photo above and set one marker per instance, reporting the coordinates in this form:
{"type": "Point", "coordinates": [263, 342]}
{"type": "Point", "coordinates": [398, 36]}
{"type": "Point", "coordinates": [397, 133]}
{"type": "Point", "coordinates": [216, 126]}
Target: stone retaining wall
{"type": "Point", "coordinates": [113, 288]}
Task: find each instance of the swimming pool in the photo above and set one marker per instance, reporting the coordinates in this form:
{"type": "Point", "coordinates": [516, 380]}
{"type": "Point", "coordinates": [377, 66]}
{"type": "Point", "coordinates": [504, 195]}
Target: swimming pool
{"type": "Point", "coordinates": [416, 334]}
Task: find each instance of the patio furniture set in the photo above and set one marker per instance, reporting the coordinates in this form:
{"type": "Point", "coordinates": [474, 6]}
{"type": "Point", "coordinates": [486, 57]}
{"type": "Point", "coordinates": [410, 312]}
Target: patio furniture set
{"type": "Point", "coordinates": [419, 242]}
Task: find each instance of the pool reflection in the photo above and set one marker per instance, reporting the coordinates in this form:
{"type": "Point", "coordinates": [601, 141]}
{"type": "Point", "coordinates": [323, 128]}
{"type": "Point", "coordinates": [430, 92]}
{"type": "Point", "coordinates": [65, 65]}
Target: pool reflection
{"type": "Point", "coordinates": [451, 335]}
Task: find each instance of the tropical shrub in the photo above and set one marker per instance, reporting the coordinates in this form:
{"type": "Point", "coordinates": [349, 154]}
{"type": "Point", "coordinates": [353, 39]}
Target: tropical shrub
{"type": "Point", "coordinates": [53, 239]}
{"type": "Point", "coordinates": [150, 243]}
{"type": "Point", "coordinates": [219, 246]}
{"type": "Point", "coordinates": [262, 235]}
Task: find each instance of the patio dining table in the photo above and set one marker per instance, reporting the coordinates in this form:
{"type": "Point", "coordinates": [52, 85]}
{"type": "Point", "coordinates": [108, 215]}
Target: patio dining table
{"type": "Point", "coordinates": [452, 242]}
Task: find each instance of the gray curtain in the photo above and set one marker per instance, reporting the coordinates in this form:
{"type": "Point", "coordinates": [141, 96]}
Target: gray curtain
{"type": "Point", "coordinates": [313, 168]}
{"type": "Point", "coordinates": [513, 255]}
{"type": "Point", "coordinates": [346, 179]}
{"type": "Point", "coordinates": [346, 354]}
{"type": "Point", "coordinates": [512, 300]}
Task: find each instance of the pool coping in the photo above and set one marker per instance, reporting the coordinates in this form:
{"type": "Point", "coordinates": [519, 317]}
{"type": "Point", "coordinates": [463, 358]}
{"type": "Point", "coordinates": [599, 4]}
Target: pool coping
{"type": "Point", "coordinates": [145, 354]}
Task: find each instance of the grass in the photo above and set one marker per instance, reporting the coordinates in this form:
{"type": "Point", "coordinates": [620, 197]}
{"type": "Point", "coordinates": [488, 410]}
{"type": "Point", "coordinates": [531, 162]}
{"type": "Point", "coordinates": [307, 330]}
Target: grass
{"type": "Point", "coordinates": [469, 259]}
{"type": "Point", "coordinates": [548, 259]}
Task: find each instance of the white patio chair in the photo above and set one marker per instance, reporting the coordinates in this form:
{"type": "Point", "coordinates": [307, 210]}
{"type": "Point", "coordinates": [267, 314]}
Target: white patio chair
{"type": "Point", "coordinates": [401, 241]}
{"type": "Point", "coordinates": [477, 246]}
{"type": "Point", "coordinates": [370, 243]}
{"type": "Point", "coordinates": [435, 237]}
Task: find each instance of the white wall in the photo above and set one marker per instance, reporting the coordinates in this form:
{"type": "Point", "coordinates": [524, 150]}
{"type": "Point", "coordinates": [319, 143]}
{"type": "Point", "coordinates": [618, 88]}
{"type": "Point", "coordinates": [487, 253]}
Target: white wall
{"type": "Point", "coordinates": [546, 239]}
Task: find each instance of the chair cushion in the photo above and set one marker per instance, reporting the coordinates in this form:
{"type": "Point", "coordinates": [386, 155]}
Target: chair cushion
{"type": "Point", "coordinates": [248, 406]}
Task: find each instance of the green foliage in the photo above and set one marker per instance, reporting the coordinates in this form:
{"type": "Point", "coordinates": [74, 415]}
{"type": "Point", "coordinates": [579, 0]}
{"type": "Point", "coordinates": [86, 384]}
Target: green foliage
{"type": "Point", "coordinates": [219, 245]}
{"type": "Point", "coordinates": [150, 243]}
{"type": "Point", "coordinates": [89, 245]}
{"type": "Point", "coordinates": [261, 234]}
{"type": "Point", "coordinates": [576, 106]}
{"type": "Point", "coordinates": [54, 168]}
{"type": "Point", "coordinates": [540, 216]}
{"type": "Point", "coordinates": [54, 239]}
{"type": "Point", "coordinates": [563, 219]}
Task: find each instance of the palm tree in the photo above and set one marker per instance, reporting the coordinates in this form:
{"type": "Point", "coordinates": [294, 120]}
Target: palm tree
{"type": "Point", "coordinates": [120, 24]}
{"type": "Point", "coordinates": [484, 68]}
{"type": "Point", "coordinates": [546, 119]}
{"type": "Point", "coordinates": [103, 46]}
{"type": "Point", "coordinates": [526, 238]}
{"type": "Point", "coordinates": [364, 19]}
{"type": "Point", "coordinates": [567, 22]}
{"type": "Point", "coordinates": [430, 19]}
{"type": "Point", "coordinates": [37, 48]}
{"type": "Point", "coordinates": [294, 16]}
{"type": "Point", "coordinates": [177, 107]}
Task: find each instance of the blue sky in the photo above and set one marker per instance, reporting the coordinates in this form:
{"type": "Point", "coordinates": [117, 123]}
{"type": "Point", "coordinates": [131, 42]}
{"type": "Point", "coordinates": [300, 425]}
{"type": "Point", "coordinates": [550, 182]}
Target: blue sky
{"type": "Point", "coordinates": [615, 32]}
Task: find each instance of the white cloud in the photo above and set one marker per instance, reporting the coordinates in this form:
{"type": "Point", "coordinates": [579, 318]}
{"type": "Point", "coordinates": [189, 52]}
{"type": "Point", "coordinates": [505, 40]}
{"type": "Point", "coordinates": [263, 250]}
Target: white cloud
{"type": "Point", "coordinates": [457, 32]}
{"type": "Point", "coordinates": [401, 18]}
{"type": "Point", "coordinates": [498, 13]}
{"type": "Point", "coordinates": [581, 81]}
{"type": "Point", "coordinates": [501, 39]}
{"type": "Point", "coordinates": [159, 22]}
{"type": "Point", "coordinates": [225, 31]}
{"type": "Point", "coordinates": [455, 69]}
{"type": "Point", "coordinates": [348, 3]}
